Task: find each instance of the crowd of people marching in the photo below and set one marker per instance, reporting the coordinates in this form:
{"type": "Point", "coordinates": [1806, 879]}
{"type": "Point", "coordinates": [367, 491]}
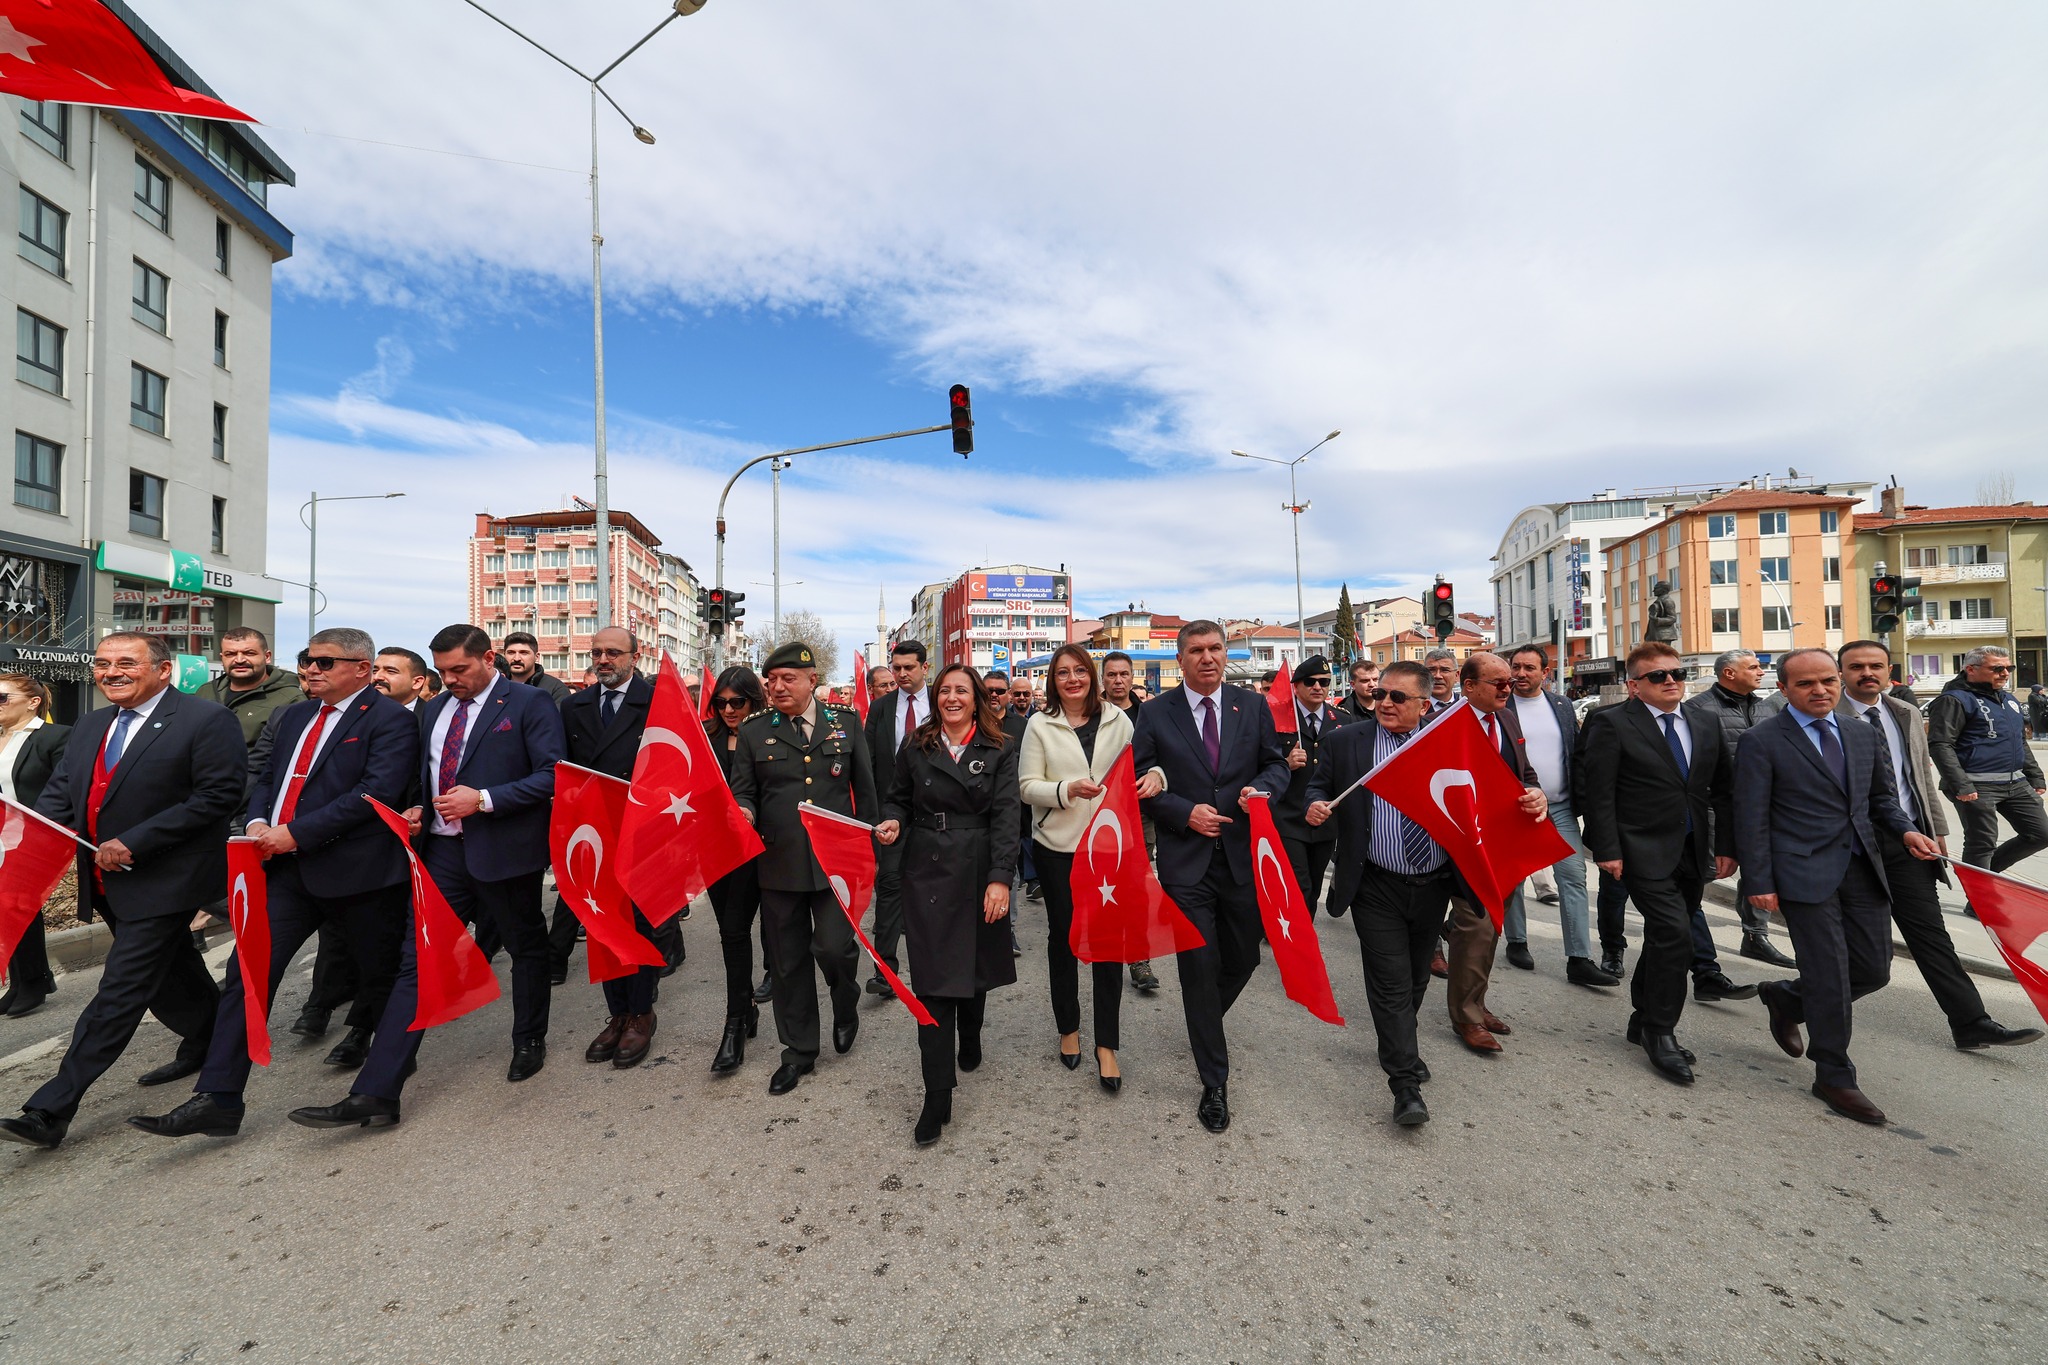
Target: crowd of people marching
{"type": "Point", "coordinates": [1823, 801]}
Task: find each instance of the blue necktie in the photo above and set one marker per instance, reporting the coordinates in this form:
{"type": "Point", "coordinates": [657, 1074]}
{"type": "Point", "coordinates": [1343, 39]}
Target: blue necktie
{"type": "Point", "coordinates": [1831, 752]}
{"type": "Point", "coordinates": [609, 706]}
{"type": "Point", "coordinates": [1677, 746]}
{"type": "Point", "coordinates": [118, 740]}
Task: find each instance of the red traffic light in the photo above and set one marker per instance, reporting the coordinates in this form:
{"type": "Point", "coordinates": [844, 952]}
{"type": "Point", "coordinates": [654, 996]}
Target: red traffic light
{"type": "Point", "coordinates": [1882, 586]}
{"type": "Point", "coordinates": [962, 419]}
{"type": "Point", "coordinates": [1443, 592]}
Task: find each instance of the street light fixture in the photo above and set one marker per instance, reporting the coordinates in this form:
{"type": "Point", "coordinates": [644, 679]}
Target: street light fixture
{"type": "Point", "coordinates": [1295, 505]}
{"type": "Point", "coordinates": [601, 477]}
{"type": "Point", "coordinates": [312, 525]}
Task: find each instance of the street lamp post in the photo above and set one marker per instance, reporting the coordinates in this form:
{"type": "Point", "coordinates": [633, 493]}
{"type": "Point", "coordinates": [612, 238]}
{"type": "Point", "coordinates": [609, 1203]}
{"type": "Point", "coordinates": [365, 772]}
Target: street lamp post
{"type": "Point", "coordinates": [312, 525]}
{"type": "Point", "coordinates": [601, 476]}
{"type": "Point", "coordinates": [1295, 505]}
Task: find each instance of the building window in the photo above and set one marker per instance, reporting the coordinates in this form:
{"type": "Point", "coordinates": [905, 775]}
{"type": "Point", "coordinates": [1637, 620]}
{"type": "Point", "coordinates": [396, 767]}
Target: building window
{"type": "Point", "coordinates": [220, 338]}
{"type": "Point", "coordinates": [1831, 569]}
{"type": "Point", "coordinates": [1830, 521]}
{"type": "Point", "coordinates": [152, 305]}
{"type": "Point", "coordinates": [1969, 554]}
{"type": "Point", "coordinates": [494, 597]}
{"type": "Point", "coordinates": [146, 401]}
{"type": "Point", "coordinates": [494, 563]}
{"type": "Point", "coordinates": [220, 433]}
{"type": "Point", "coordinates": [1924, 557]}
{"type": "Point", "coordinates": [1770, 523]}
{"type": "Point", "coordinates": [554, 559]}
{"type": "Point", "coordinates": [220, 526]}
{"type": "Point", "coordinates": [38, 351]}
{"type": "Point", "coordinates": [586, 625]}
{"type": "Point", "coordinates": [223, 244]}
{"type": "Point", "coordinates": [1727, 620]}
{"type": "Point", "coordinates": [1777, 618]}
{"type": "Point", "coordinates": [152, 195]}
{"type": "Point", "coordinates": [38, 473]}
{"type": "Point", "coordinates": [145, 504]}
{"type": "Point", "coordinates": [586, 557]}
{"type": "Point", "coordinates": [43, 229]}
{"type": "Point", "coordinates": [182, 620]}
{"type": "Point", "coordinates": [1970, 609]}
{"type": "Point", "coordinates": [1722, 571]}
{"type": "Point", "coordinates": [1634, 590]}
{"type": "Point", "coordinates": [1924, 665]}
{"type": "Point", "coordinates": [520, 594]}
{"type": "Point", "coordinates": [226, 151]}
{"type": "Point", "coordinates": [588, 590]}
{"type": "Point", "coordinates": [1775, 569]}
{"type": "Point", "coordinates": [554, 592]}
{"type": "Point", "coordinates": [1834, 618]}
{"type": "Point", "coordinates": [523, 560]}
{"type": "Point", "coordinates": [1721, 526]}
{"type": "Point", "coordinates": [48, 125]}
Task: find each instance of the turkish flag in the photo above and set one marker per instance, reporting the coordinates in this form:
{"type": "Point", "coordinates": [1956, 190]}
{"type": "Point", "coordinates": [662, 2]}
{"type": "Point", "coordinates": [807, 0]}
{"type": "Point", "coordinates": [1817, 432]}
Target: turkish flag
{"type": "Point", "coordinates": [34, 851]}
{"type": "Point", "coordinates": [1451, 780]}
{"type": "Point", "coordinates": [861, 700]}
{"type": "Point", "coordinates": [587, 810]}
{"type": "Point", "coordinates": [1280, 700]}
{"type": "Point", "coordinates": [2016, 913]}
{"type": "Point", "coordinates": [454, 977]}
{"type": "Point", "coordinates": [706, 708]}
{"type": "Point", "coordinates": [77, 52]}
{"type": "Point", "coordinates": [249, 917]}
{"type": "Point", "coordinates": [1121, 912]}
{"type": "Point", "coordinates": [845, 848]}
{"type": "Point", "coordinates": [1290, 927]}
{"type": "Point", "coordinates": [681, 830]}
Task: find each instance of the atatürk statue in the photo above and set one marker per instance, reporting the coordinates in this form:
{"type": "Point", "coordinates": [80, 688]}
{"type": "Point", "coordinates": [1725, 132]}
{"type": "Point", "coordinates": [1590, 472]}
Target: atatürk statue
{"type": "Point", "coordinates": [1663, 623]}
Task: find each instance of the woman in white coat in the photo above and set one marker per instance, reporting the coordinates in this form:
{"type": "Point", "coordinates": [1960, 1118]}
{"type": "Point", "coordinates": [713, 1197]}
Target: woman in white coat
{"type": "Point", "coordinates": [1069, 746]}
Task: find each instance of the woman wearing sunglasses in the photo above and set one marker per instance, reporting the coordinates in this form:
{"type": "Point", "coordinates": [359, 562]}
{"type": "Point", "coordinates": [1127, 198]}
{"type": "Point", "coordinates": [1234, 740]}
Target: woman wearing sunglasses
{"type": "Point", "coordinates": [29, 749]}
{"type": "Point", "coordinates": [735, 897]}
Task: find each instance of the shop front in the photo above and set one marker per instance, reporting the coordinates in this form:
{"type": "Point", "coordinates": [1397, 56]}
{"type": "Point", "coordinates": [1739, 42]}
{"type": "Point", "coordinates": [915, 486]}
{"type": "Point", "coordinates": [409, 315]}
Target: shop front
{"type": "Point", "coordinates": [185, 601]}
{"type": "Point", "coordinates": [44, 630]}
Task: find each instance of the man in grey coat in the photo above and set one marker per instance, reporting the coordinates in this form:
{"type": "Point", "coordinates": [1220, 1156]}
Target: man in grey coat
{"type": "Point", "coordinates": [1733, 699]}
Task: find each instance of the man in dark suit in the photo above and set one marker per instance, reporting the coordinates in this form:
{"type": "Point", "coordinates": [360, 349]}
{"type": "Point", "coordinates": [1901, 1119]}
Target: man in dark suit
{"type": "Point", "coordinates": [799, 750]}
{"type": "Point", "coordinates": [1217, 745]}
{"type": "Point", "coordinates": [1916, 905]}
{"type": "Point", "coordinates": [152, 782]}
{"type": "Point", "coordinates": [328, 861]}
{"type": "Point", "coordinates": [1550, 731]}
{"type": "Point", "coordinates": [891, 719]}
{"type": "Point", "coordinates": [1308, 846]}
{"type": "Point", "coordinates": [488, 749]}
{"type": "Point", "coordinates": [1653, 786]}
{"type": "Point", "coordinates": [1815, 804]}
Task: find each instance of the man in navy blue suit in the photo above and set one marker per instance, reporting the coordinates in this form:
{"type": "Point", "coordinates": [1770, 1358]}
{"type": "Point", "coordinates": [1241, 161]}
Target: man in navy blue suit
{"type": "Point", "coordinates": [328, 859]}
{"type": "Point", "coordinates": [1216, 745]}
{"type": "Point", "coordinates": [488, 749]}
{"type": "Point", "coordinates": [1815, 804]}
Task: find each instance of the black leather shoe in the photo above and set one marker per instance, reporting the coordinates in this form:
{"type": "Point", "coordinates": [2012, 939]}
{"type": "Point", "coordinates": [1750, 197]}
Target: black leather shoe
{"type": "Point", "coordinates": [1784, 1028]}
{"type": "Point", "coordinates": [1850, 1103]}
{"type": "Point", "coordinates": [34, 1128]}
{"type": "Point", "coordinates": [200, 1116]}
{"type": "Point", "coordinates": [1758, 948]}
{"type": "Point", "coordinates": [558, 974]}
{"type": "Point", "coordinates": [1708, 987]}
{"type": "Point", "coordinates": [970, 1053]}
{"type": "Point", "coordinates": [1611, 963]}
{"type": "Point", "coordinates": [1988, 1032]}
{"type": "Point", "coordinates": [1409, 1110]}
{"type": "Point", "coordinates": [175, 1069]}
{"type": "Point", "coordinates": [1422, 1071]}
{"type": "Point", "coordinates": [26, 997]}
{"type": "Point", "coordinates": [312, 1021]}
{"type": "Point", "coordinates": [527, 1060]}
{"type": "Point", "coordinates": [1635, 1035]}
{"type": "Point", "coordinates": [1519, 956]}
{"type": "Point", "coordinates": [786, 1076]}
{"type": "Point", "coordinates": [1580, 971]}
{"type": "Point", "coordinates": [351, 1050]}
{"type": "Point", "coordinates": [1033, 891]}
{"type": "Point", "coordinates": [877, 986]}
{"type": "Point", "coordinates": [357, 1111]}
{"type": "Point", "coordinates": [732, 1046]}
{"type": "Point", "coordinates": [1214, 1110]}
{"type": "Point", "coordinates": [937, 1113]}
{"type": "Point", "coordinates": [844, 1031]}
{"type": "Point", "coordinates": [1666, 1055]}
{"type": "Point", "coordinates": [764, 992]}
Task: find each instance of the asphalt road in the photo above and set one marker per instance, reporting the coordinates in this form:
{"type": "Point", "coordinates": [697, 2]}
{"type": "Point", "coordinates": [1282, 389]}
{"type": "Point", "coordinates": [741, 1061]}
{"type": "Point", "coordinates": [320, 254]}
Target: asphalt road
{"type": "Point", "coordinates": [1565, 1202]}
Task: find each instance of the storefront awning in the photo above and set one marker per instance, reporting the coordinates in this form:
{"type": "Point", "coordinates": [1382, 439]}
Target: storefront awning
{"type": "Point", "coordinates": [186, 572]}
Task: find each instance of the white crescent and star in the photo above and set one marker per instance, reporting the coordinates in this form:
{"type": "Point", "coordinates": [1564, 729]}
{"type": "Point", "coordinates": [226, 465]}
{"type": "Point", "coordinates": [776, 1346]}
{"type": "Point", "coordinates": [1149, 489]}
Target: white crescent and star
{"type": "Point", "coordinates": [585, 834]}
{"type": "Point", "coordinates": [840, 890]}
{"type": "Point", "coordinates": [238, 904]}
{"type": "Point", "coordinates": [1442, 781]}
{"type": "Point", "coordinates": [678, 802]}
{"type": "Point", "coordinates": [1267, 855]}
{"type": "Point", "coordinates": [1106, 819]}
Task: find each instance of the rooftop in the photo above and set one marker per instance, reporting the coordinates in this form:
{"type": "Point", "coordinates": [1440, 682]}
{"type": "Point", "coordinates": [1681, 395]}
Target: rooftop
{"type": "Point", "coordinates": [1938, 516]}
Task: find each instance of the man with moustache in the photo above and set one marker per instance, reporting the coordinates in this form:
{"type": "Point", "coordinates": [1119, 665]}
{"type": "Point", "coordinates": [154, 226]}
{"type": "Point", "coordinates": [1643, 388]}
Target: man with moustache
{"type": "Point", "coordinates": [402, 676]}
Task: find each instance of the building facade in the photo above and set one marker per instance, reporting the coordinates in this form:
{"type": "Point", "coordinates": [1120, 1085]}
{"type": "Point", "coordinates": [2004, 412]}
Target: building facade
{"type": "Point", "coordinates": [1264, 647]}
{"type": "Point", "coordinates": [990, 618]}
{"type": "Point", "coordinates": [140, 284]}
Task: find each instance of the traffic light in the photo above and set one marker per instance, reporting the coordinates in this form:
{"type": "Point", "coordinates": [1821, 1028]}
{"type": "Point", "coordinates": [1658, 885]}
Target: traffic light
{"type": "Point", "coordinates": [703, 604]}
{"type": "Point", "coordinates": [714, 610]}
{"type": "Point", "coordinates": [1443, 609]}
{"type": "Point", "coordinates": [734, 612]}
{"type": "Point", "coordinates": [1884, 604]}
{"type": "Point", "coordinates": [963, 421]}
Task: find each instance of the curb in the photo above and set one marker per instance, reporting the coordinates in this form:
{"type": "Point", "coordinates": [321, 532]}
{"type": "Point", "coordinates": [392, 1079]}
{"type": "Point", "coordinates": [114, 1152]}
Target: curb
{"type": "Point", "coordinates": [1724, 895]}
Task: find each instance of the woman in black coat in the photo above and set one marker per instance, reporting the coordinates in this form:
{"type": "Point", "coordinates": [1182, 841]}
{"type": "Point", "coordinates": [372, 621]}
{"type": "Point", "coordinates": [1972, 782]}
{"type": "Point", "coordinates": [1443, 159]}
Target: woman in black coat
{"type": "Point", "coordinates": [954, 803]}
{"type": "Point", "coordinates": [735, 897]}
{"type": "Point", "coordinates": [36, 746]}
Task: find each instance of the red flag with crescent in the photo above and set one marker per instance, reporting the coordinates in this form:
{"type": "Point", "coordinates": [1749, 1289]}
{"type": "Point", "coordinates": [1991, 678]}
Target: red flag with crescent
{"type": "Point", "coordinates": [1280, 700]}
{"type": "Point", "coordinates": [78, 52]}
{"type": "Point", "coordinates": [1121, 912]}
{"type": "Point", "coordinates": [583, 834]}
{"type": "Point", "coordinates": [1290, 926]}
{"type": "Point", "coordinates": [845, 849]}
{"type": "Point", "coordinates": [1452, 781]}
{"type": "Point", "coordinates": [34, 851]}
{"type": "Point", "coordinates": [681, 830]}
{"type": "Point", "coordinates": [861, 700]}
{"type": "Point", "coordinates": [2016, 914]}
{"type": "Point", "coordinates": [454, 976]}
{"type": "Point", "coordinates": [249, 917]}
{"type": "Point", "coordinates": [707, 688]}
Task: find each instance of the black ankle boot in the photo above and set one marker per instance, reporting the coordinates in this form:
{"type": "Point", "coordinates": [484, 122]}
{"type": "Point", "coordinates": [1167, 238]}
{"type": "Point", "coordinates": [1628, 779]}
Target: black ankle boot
{"type": "Point", "coordinates": [938, 1112]}
{"type": "Point", "coordinates": [732, 1047]}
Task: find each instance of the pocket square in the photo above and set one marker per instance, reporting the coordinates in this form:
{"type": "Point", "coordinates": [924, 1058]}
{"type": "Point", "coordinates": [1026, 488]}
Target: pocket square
{"type": "Point", "coordinates": [351, 739]}
{"type": "Point", "coordinates": [503, 726]}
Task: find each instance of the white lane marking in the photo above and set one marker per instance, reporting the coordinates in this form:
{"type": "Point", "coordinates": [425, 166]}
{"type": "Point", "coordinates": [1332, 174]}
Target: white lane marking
{"type": "Point", "coordinates": [29, 1054]}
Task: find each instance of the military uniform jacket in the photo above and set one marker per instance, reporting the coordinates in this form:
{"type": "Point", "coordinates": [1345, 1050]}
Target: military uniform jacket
{"type": "Point", "coordinates": [773, 773]}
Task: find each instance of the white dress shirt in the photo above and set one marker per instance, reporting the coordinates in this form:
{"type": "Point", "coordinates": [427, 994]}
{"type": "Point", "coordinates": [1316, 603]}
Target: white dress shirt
{"type": "Point", "coordinates": [319, 747]}
{"type": "Point", "coordinates": [1684, 730]}
{"type": "Point", "coordinates": [439, 737]}
{"type": "Point", "coordinates": [1543, 741]}
{"type": "Point", "coordinates": [920, 710]}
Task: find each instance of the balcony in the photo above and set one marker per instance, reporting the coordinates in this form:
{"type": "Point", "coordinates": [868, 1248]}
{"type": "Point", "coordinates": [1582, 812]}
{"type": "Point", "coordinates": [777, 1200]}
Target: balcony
{"type": "Point", "coordinates": [1984, 628]}
{"type": "Point", "coordinates": [1960, 573]}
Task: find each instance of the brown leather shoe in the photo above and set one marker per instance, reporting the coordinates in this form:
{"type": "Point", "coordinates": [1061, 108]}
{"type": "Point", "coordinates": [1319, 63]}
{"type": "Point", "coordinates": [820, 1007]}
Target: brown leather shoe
{"type": "Point", "coordinates": [635, 1039]}
{"type": "Point", "coordinates": [1439, 968]}
{"type": "Point", "coordinates": [605, 1046]}
{"type": "Point", "coordinates": [1476, 1037]}
{"type": "Point", "coordinates": [1850, 1103]}
{"type": "Point", "coordinates": [1784, 1029]}
{"type": "Point", "coordinates": [1494, 1025]}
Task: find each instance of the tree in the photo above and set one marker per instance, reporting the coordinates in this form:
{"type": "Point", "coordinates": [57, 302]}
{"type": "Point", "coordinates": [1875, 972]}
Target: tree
{"type": "Point", "coordinates": [1997, 489]}
{"type": "Point", "coordinates": [810, 628]}
{"type": "Point", "coordinates": [1345, 630]}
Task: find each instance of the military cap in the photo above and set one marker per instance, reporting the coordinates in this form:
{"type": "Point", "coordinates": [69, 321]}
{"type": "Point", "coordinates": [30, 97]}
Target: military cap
{"type": "Point", "coordinates": [795, 654]}
{"type": "Point", "coordinates": [1314, 666]}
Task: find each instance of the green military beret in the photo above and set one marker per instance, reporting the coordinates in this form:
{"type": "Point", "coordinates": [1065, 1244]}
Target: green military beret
{"type": "Point", "coordinates": [795, 654]}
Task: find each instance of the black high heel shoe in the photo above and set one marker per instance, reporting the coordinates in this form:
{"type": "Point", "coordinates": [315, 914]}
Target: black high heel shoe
{"type": "Point", "coordinates": [1113, 1084]}
{"type": "Point", "coordinates": [938, 1112]}
{"type": "Point", "coordinates": [1070, 1060]}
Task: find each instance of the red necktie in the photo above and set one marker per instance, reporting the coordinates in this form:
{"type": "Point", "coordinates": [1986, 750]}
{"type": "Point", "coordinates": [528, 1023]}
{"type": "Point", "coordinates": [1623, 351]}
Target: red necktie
{"type": "Point", "coordinates": [301, 765]}
{"type": "Point", "coordinates": [909, 717]}
{"type": "Point", "coordinates": [451, 749]}
{"type": "Point", "coordinates": [1492, 732]}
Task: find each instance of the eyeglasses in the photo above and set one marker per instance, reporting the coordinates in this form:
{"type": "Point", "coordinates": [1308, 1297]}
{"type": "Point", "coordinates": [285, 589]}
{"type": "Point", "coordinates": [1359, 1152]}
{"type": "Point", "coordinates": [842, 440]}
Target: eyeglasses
{"type": "Point", "coordinates": [730, 703]}
{"type": "Point", "coordinates": [1996, 668]}
{"type": "Point", "coordinates": [1664, 675]}
{"type": "Point", "coordinates": [1498, 684]}
{"type": "Point", "coordinates": [9, 697]}
{"type": "Point", "coordinates": [1317, 682]}
{"type": "Point", "coordinates": [121, 666]}
{"type": "Point", "coordinates": [326, 662]}
{"type": "Point", "coordinates": [610, 653]}
{"type": "Point", "coordinates": [1394, 695]}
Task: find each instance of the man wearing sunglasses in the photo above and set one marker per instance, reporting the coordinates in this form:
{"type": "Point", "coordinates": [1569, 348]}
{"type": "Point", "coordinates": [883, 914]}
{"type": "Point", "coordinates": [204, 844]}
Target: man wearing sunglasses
{"type": "Point", "coordinates": [1976, 735]}
{"type": "Point", "coordinates": [1654, 788]}
{"type": "Point", "coordinates": [1308, 846]}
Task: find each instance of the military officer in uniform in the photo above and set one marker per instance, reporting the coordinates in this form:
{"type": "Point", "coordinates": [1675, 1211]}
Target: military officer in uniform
{"type": "Point", "coordinates": [798, 750]}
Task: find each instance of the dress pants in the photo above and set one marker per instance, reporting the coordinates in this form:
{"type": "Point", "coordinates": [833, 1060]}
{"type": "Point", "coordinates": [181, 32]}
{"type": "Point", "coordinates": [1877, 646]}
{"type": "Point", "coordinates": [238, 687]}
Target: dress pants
{"type": "Point", "coordinates": [1311, 863]}
{"type": "Point", "coordinates": [510, 910]}
{"type": "Point", "coordinates": [336, 981]}
{"type": "Point", "coordinates": [31, 960]}
{"type": "Point", "coordinates": [1668, 906]}
{"type": "Point", "coordinates": [1612, 909]}
{"type": "Point", "coordinates": [151, 965]}
{"type": "Point", "coordinates": [1916, 909]}
{"type": "Point", "coordinates": [1107, 978]}
{"type": "Point", "coordinates": [808, 934]}
{"type": "Point", "coordinates": [1396, 917]}
{"type": "Point", "coordinates": [562, 930]}
{"type": "Point", "coordinates": [1571, 891]}
{"type": "Point", "coordinates": [367, 930]}
{"type": "Point", "coordinates": [887, 935]}
{"type": "Point", "coordinates": [1211, 976]}
{"type": "Point", "coordinates": [634, 992]}
{"type": "Point", "coordinates": [2017, 802]}
{"type": "Point", "coordinates": [1844, 947]}
{"type": "Point", "coordinates": [736, 902]}
{"type": "Point", "coordinates": [1472, 941]}
{"type": "Point", "coordinates": [959, 1021]}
